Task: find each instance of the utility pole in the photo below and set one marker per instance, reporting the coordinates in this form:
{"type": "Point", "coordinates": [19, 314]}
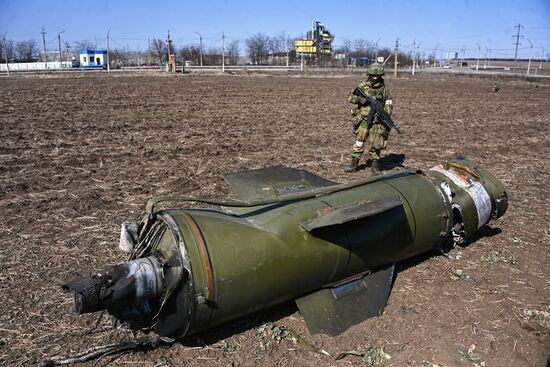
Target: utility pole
{"type": "Point", "coordinates": [462, 59]}
{"type": "Point", "coordinates": [108, 54]}
{"type": "Point", "coordinates": [168, 42]}
{"type": "Point", "coordinates": [435, 53]}
{"type": "Point", "coordinates": [395, 58]}
{"type": "Point", "coordinates": [59, 41]}
{"type": "Point", "coordinates": [44, 43]}
{"type": "Point", "coordinates": [485, 61]}
{"type": "Point", "coordinates": [67, 47]}
{"type": "Point", "coordinates": [6, 53]}
{"type": "Point", "coordinates": [148, 50]}
{"type": "Point", "coordinates": [541, 57]}
{"type": "Point", "coordinates": [200, 46]}
{"type": "Point", "coordinates": [171, 62]}
{"type": "Point", "coordinates": [287, 58]}
{"type": "Point", "coordinates": [519, 26]}
{"type": "Point", "coordinates": [478, 52]}
{"type": "Point", "coordinates": [223, 52]}
{"type": "Point", "coordinates": [414, 56]}
{"type": "Point", "coordinates": [489, 61]}
{"type": "Point", "coordinates": [530, 55]}
{"type": "Point", "coordinates": [420, 60]}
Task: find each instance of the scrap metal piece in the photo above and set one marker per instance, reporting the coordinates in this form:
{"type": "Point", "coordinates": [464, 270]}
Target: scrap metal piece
{"type": "Point", "coordinates": [128, 237]}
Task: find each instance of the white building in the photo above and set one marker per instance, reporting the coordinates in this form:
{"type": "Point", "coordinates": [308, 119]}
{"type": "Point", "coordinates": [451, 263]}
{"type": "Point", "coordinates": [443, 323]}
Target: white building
{"type": "Point", "coordinates": [93, 59]}
{"type": "Point", "coordinates": [451, 55]}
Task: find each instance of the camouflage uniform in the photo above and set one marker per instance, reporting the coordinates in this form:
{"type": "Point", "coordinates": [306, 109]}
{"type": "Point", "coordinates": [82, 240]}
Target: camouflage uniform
{"type": "Point", "coordinates": [376, 134]}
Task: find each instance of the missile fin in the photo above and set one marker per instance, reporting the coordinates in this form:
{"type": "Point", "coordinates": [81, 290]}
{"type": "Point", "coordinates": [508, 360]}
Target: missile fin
{"type": "Point", "coordinates": [273, 181]}
{"type": "Point", "coordinates": [351, 212]}
{"type": "Point", "coordinates": [333, 310]}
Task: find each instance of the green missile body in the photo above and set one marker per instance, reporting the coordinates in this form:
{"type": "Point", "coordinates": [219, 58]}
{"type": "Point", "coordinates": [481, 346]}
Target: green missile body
{"type": "Point", "coordinates": [294, 236]}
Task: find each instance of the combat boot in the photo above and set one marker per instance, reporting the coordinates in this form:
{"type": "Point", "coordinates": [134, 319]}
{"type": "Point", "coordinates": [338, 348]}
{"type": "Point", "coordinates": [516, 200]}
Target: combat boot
{"type": "Point", "coordinates": [375, 167]}
{"type": "Point", "coordinates": [354, 166]}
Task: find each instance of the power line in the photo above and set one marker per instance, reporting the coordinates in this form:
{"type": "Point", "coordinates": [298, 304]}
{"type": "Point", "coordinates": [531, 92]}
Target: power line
{"type": "Point", "coordinates": [519, 26]}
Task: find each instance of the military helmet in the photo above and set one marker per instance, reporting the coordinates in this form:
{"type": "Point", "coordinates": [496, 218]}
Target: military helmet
{"type": "Point", "coordinates": [375, 69]}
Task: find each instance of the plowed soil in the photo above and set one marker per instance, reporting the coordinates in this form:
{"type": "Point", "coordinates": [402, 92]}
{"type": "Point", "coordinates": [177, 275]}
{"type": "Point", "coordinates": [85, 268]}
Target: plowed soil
{"type": "Point", "coordinates": [79, 154]}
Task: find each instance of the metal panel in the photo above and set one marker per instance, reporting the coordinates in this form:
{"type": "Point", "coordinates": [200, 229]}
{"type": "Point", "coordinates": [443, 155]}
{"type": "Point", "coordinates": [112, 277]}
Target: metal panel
{"type": "Point", "coordinates": [351, 212]}
{"type": "Point", "coordinates": [333, 310]}
{"type": "Point", "coordinates": [273, 181]}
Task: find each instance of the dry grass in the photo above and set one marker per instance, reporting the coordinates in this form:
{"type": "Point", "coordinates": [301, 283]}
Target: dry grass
{"type": "Point", "coordinates": [81, 155]}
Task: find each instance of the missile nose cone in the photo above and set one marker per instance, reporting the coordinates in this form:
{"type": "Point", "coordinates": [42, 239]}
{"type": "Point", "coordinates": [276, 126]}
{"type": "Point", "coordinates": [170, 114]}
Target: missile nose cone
{"type": "Point", "coordinates": [493, 186]}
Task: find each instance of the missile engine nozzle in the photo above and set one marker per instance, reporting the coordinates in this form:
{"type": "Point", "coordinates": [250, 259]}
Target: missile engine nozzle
{"type": "Point", "coordinates": [125, 286]}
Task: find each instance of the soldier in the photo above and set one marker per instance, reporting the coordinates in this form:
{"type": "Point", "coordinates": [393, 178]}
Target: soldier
{"type": "Point", "coordinates": [374, 132]}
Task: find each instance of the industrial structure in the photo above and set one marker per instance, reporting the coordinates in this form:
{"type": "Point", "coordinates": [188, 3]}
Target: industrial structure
{"type": "Point", "coordinates": [318, 42]}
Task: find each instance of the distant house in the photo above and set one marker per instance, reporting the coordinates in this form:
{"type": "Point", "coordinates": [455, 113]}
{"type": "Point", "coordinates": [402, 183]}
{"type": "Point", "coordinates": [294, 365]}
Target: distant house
{"type": "Point", "coordinates": [451, 55]}
{"type": "Point", "coordinates": [93, 59]}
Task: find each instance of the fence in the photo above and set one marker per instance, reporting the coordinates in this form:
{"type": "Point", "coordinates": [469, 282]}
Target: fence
{"type": "Point", "coordinates": [37, 66]}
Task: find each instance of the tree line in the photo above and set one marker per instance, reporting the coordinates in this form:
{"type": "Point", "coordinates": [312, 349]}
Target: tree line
{"type": "Point", "coordinates": [259, 49]}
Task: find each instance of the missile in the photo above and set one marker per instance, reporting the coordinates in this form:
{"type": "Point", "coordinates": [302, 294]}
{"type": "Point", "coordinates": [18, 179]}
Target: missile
{"type": "Point", "coordinates": [292, 235]}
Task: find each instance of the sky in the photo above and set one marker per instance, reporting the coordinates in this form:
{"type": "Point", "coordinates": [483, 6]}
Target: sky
{"type": "Point", "coordinates": [452, 26]}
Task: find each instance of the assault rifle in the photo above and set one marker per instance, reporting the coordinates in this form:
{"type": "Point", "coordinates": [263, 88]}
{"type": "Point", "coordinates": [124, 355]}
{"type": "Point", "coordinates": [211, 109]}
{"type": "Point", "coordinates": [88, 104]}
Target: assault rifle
{"type": "Point", "coordinates": [375, 107]}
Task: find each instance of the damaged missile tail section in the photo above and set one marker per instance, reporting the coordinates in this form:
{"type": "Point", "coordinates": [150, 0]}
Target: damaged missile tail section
{"type": "Point", "coordinates": [293, 236]}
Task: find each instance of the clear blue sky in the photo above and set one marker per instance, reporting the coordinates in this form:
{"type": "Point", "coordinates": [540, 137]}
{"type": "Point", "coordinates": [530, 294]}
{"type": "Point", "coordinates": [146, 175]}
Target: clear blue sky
{"type": "Point", "coordinates": [452, 24]}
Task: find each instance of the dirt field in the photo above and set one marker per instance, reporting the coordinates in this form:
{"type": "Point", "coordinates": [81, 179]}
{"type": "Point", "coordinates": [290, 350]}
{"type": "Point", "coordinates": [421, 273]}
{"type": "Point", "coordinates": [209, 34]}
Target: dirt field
{"type": "Point", "coordinates": [80, 154]}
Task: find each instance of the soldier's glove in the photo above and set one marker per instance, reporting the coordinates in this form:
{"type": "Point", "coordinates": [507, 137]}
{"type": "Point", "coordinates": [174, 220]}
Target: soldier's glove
{"type": "Point", "coordinates": [361, 100]}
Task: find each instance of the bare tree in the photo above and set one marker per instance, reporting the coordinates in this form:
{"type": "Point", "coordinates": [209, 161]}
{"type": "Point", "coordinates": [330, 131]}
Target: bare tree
{"type": "Point", "coordinates": [280, 47]}
{"type": "Point", "coordinates": [233, 52]}
{"type": "Point", "coordinates": [404, 58]}
{"type": "Point", "coordinates": [282, 43]}
{"type": "Point", "coordinates": [7, 50]}
{"type": "Point", "coordinates": [84, 45]}
{"type": "Point", "coordinates": [118, 58]}
{"type": "Point", "coordinates": [258, 47]}
{"type": "Point", "coordinates": [135, 58]}
{"type": "Point", "coordinates": [346, 46]}
{"type": "Point", "coordinates": [361, 47]}
{"type": "Point", "coordinates": [158, 49]}
{"type": "Point", "coordinates": [191, 53]}
{"type": "Point", "coordinates": [26, 50]}
{"type": "Point", "coordinates": [212, 56]}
